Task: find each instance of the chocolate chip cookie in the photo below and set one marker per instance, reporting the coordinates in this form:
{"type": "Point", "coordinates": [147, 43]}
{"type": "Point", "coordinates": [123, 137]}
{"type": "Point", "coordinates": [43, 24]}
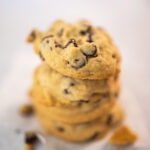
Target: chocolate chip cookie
{"type": "Point", "coordinates": [71, 90]}
{"type": "Point", "coordinates": [81, 112]}
{"type": "Point", "coordinates": [77, 50]}
{"type": "Point", "coordinates": [80, 132]}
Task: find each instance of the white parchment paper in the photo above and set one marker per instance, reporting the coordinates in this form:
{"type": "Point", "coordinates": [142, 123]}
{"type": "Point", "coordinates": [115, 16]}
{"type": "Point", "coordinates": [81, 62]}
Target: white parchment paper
{"type": "Point", "coordinates": [13, 93]}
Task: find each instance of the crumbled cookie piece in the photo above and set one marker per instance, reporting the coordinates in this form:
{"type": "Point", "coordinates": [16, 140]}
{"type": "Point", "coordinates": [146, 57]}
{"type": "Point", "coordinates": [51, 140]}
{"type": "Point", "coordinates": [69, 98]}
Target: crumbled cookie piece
{"type": "Point", "coordinates": [26, 110]}
{"type": "Point", "coordinates": [123, 136]}
{"type": "Point", "coordinates": [28, 147]}
{"type": "Point", "coordinates": [32, 36]}
{"type": "Point", "coordinates": [30, 137]}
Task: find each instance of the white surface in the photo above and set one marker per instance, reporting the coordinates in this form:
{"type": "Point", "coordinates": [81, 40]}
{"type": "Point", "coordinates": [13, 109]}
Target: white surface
{"type": "Point", "coordinates": [128, 22]}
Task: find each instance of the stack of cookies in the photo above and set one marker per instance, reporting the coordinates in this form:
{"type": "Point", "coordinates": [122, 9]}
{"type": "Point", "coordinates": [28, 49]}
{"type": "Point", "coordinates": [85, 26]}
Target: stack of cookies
{"type": "Point", "coordinates": [75, 89]}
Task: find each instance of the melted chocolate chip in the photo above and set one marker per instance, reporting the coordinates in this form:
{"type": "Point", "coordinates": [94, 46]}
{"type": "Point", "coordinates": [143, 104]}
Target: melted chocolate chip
{"type": "Point", "coordinates": [90, 52]}
{"type": "Point", "coordinates": [94, 136]}
{"type": "Point", "coordinates": [109, 119]}
{"type": "Point", "coordinates": [41, 56]}
{"type": "Point", "coordinates": [66, 91]}
{"type": "Point", "coordinates": [58, 44]}
{"type": "Point", "coordinates": [30, 137]}
{"type": "Point", "coordinates": [77, 63]}
{"type": "Point", "coordinates": [61, 32]}
{"type": "Point", "coordinates": [48, 36]}
{"type": "Point", "coordinates": [71, 41]}
{"type": "Point", "coordinates": [60, 129]}
{"type": "Point", "coordinates": [90, 40]}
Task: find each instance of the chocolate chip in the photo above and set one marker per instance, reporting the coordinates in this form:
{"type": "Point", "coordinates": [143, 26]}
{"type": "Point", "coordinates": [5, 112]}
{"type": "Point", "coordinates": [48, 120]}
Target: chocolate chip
{"type": "Point", "coordinates": [113, 56]}
{"type": "Point", "coordinates": [71, 41]}
{"type": "Point", "coordinates": [90, 52]}
{"type": "Point", "coordinates": [30, 137]}
{"type": "Point", "coordinates": [83, 32]}
{"type": "Point", "coordinates": [72, 84]}
{"type": "Point", "coordinates": [77, 63]}
{"type": "Point", "coordinates": [61, 32]}
{"type": "Point", "coordinates": [94, 136]}
{"type": "Point", "coordinates": [41, 56]}
{"type": "Point", "coordinates": [48, 36]}
{"type": "Point", "coordinates": [61, 129]}
{"type": "Point", "coordinates": [58, 44]}
{"type": "Point", "coordinates": [90, 40]}
{"type": "Point", "coordinates": [109, 119]}
{"type": "Point", "coordinates": [66, 91]}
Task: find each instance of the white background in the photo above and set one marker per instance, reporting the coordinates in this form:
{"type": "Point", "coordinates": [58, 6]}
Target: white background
{"type": "Point", "coordinates": [128, 22]}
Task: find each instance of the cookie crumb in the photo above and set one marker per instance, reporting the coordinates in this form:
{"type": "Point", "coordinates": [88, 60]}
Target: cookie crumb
{"type": "Point", "coordinates": [123, 136]}
{"type": "Point", "coordinates": [31, 37]}
{"type": "Point", "coordinates": [28, 147]}
{"type": "Point", "coordinates": [26, 110]}
{"type": "Point", "coordinates": [30, 137]}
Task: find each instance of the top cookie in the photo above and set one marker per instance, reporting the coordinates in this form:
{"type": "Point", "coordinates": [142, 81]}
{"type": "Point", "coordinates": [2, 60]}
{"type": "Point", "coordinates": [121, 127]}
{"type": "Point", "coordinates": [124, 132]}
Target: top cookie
{"type": "Point", "coordinates": [80, 50]}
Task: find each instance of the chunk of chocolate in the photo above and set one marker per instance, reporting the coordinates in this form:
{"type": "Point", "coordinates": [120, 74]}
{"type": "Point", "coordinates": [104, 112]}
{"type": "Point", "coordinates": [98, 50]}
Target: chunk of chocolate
{"type": "Point", "coordinates": [58, 45]}
{"type": "Point", "coordinates": [77, 63]}
{"type": "Point", "coordinates": [60, 129]}
{"type": "Point", "coordinates": [90, 40]}
{"type": "Point", "coordinates": [48, 36]}
{"type": "Point", "coordinates": [90, 51]}
{"type": "Point", "coordinates": [66, 91]}
{"type": "Point", "coordinates": [71, 41]}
